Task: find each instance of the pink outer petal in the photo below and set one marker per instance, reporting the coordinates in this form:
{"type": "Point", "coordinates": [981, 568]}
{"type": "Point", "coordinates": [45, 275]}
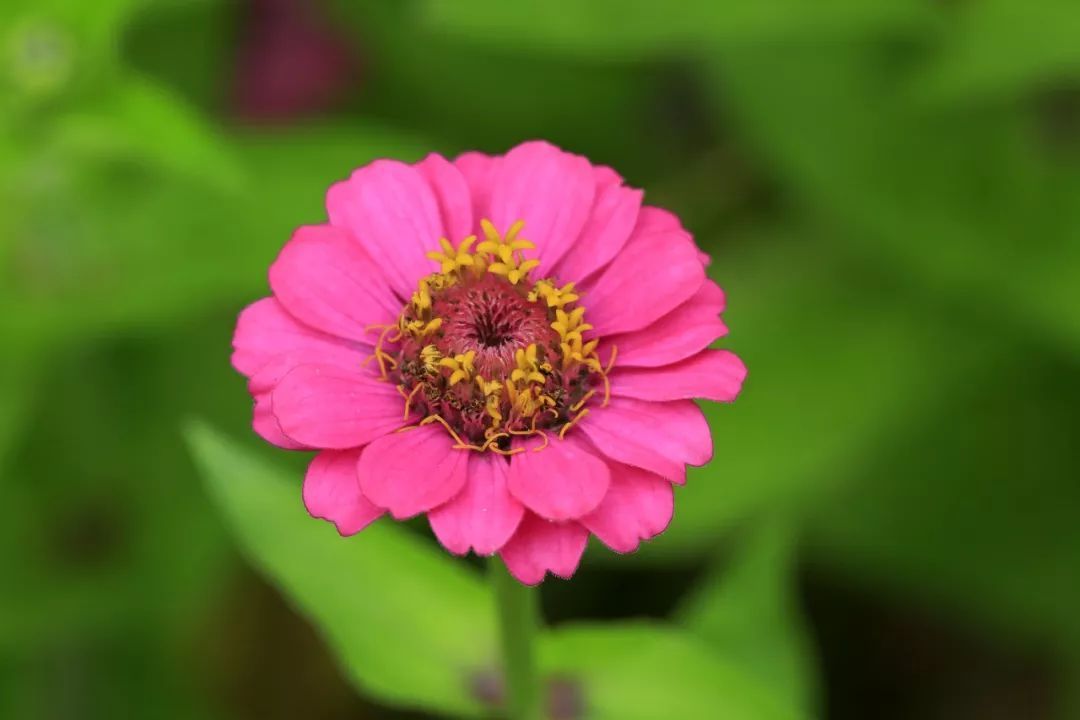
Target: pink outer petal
{"type": "Point", "coordinates": [484, 515]}
{"type": "Point", "coordinates": [265, 331]}
{"type": "Point", "coordinates": [478, 170]}
{"type": "Point", "coordinates": [324, 278]}
{"type": "Point", "coordinates": [613, 216]}
{"type": "Point", "coordinates": [540, 546]}
{"type": "Point", "coordinates": [683, 332]}
{"type": "Point", "coordinates": [392, 212]}
{"type": "Point", "coordinates": [452, 193]}
{"type": "Point", "coordinates": [605, 176]}
{"type": "Point", "coordinates": [655, 273]}
{"type": "Point", "coordinates": [563, 481]}
{"type": "Point", "coordinates": [413, 471]}
{"type": "Point", "coordinates": [266, 425]}
{"type": "Point", "coordinates": [711, 374]}
{"type": "Point", "coordinates": [324, 406]}
{"type": "Point", "coordinates": [660, 437]}
{"type": "Point", "coordinates": [551, 190]}
{"type": "Point", "coordinates": [332, 492]}
{"type": "Point", "coordinates": [638, 507]}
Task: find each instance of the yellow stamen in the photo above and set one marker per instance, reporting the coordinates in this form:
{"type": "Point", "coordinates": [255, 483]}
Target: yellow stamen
{"type": "Point", "coordinates": [581, 403]}
{"type": "Point", "coordinates": [573, 421]}
{"type": "Point", "coordinates": [451, 259]}
{"type": "Point", "coordinates": [409, 397]}
{"type": "Point", "coordinates": [461, 444]}
{"type": "Point", "coordinates": [461, 366]}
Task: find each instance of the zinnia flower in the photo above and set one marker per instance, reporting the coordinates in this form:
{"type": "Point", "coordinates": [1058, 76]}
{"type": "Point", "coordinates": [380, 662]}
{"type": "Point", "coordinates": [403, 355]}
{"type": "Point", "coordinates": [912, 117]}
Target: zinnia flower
{"type": "Point", "coordinates": [510, 344]}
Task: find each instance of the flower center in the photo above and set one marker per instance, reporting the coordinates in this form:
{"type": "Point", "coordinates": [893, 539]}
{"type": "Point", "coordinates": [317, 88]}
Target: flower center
{"type": "Point", "coordinates": [490, 353]}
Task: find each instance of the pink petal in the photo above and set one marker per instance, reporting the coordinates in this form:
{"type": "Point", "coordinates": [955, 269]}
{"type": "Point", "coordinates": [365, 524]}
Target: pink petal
{"type": "Point", "coordinates": [324, 406]}
{"type": "Point", "coordinates": [265, 330]}
{"type": "Point", "coordinates": [711, 374]}
{"type": "Point", "coordinates": [540, 546]}
{"type": "Point", "coordinates": [604, 176]}
{"type": "Point", "coordinates": [452, 193]}
{"type": "Point", "coordinates": [613, 216]}
{"type": "Point", "coordinates": [551, 190]}
{"type": "Point", "coordinates": [266, 425]}
{"type": "Point", "coordinates": [638, 507]}
{"type": "Point", "coordinates": [484, 515]}
{"type": "Point", "coordinates": [563, 481]}
{"type": "Point", "coordinates": [478, 170]}
{"type": "Point", "coordinates": [683, 332]}
{"type": "Point", "coordinates": [332, 492]}
{"type": "Point", "coordinates": [413, 471]}
{"type": "Point", "coordinates": [324, 278]}
{"type": "Point", "coordinates": [655, 273]}
{"type": "Point", "coordinates": [662, 437]}
{"type": "Point", "coordinates": [270, 374]}
{"type": "Point", "coordinates": [653, 219]}
{"type": "Point", "coordinates": [392, 212]}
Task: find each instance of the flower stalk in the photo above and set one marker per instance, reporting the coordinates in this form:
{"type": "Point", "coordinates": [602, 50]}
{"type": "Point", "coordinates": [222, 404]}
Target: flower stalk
{"type": "Point", "coordinates": [518, 620]}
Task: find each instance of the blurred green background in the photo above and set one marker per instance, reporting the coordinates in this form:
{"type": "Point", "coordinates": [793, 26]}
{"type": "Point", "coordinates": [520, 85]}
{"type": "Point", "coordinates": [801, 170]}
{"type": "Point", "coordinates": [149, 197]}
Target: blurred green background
{"type": "Point", "coordinates": [890, 190]}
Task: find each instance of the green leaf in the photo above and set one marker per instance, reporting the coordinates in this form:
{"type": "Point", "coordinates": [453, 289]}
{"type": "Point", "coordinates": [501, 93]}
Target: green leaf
{"type": "Point", "coordinates": [618, 29]}
{"type": "Point", "coordinates": [99, 246]}
{"type": "Point", "coordinates": [644, 671]}
{"type": "Point", "coordinates": [19, 373]}
{"type": "Point", "coordinates": [835, 366]}
{"type": "Point", "coordinates": [964, 205]}
{"type": "Point", "coordinates": [974, 511]}
{"type": "Point", "coordinates": [1001, 48]}
{"type": "Point", "coordinates": [409, 624]}
{"type": "Point", "coordinates": [141, 121]}
{"type": "Point", "coordinates": [746, 609]}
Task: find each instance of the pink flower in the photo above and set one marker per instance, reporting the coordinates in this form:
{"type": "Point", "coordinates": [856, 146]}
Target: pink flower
{"type": "Point", "coordinates": [509, 344]}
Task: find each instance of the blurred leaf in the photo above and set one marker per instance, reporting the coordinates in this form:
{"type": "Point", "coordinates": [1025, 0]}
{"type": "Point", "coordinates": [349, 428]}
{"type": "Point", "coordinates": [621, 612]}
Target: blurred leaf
{"type": "Point", "coordinates": [747, 610]}
{"type": "Point", "coordinates": [974, 510]}
{"type": "Point", "coordinates": [409, 623]}
{"type": "Point", "coordinates": [838, 361]}
{"type": "Point", "coordinates": [618, 114]}
{"type": "Point", "coordinates": [1001, 47]}
{"type": "Point", "coordinates": [54, 45]}
{"type": "Point", "coordinates": [968, 205]}
{"type": "Point", "coordinates": [132, 542]}
{"type": "Point", "coordinates": [633, 671]}
{"type": "Point", "coordinates": [138, 120]}
{"type": "Point", "coordinates": [617, 29]}
{"type": "Point", "coordinates": [19, 373]}
{"type": "Point", "coordinates": [102, 246]}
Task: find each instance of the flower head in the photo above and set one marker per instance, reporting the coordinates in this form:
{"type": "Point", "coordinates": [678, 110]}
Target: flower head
{"type": "Point", "coordinates": [511, 344]}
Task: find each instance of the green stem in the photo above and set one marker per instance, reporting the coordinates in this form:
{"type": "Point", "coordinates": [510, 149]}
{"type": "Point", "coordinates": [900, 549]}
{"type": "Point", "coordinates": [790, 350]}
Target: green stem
{"type": "Point", "coordinates": [518, 619]}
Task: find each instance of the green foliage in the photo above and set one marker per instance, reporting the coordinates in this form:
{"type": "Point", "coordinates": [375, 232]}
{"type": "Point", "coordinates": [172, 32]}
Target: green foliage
{"type": "Point", "coordinates": [615, 29]}
{"type": "Point", "coordinates": [889, 192]}
{"type": "Point", "coordinates": [998, 542]}
{"type": "Point", "coordinates": [641, 670]}
{"type": "Point", "coordinates": [408, 625]}
{"type": "Point", "coordinates": [746, 610]}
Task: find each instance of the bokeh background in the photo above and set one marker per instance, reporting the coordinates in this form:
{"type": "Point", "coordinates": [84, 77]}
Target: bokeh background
{"type": "Point", "coordinates": [890, 190]}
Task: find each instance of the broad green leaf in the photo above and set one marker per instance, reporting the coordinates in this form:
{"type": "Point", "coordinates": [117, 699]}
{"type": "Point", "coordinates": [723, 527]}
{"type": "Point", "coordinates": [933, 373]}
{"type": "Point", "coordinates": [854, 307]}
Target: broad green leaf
{"type": "Point", "coordinates": [746, 609]}
{"type": "Point", "coordinates": [620, 29]}
{"type": "Point", "coordinates": [644, 671]}
{"type": "Point", "coordinates": [409, 623]}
